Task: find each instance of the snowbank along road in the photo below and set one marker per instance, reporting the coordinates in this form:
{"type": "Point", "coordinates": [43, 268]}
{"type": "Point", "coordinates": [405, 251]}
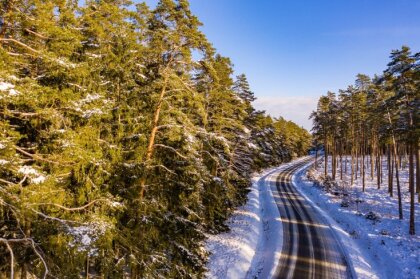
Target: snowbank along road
{"type": "Point", "coordinates": [310, 249]}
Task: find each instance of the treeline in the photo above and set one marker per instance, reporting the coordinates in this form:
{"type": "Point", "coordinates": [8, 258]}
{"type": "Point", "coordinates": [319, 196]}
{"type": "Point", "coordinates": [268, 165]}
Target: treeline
{"type": "Point", "coordinates": [123, 140]}
{"type": "Point", "coordinates": [373, 118]}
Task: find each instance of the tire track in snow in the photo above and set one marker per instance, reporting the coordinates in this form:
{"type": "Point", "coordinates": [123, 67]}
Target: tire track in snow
{"type": "Point", "coordinates": [316, 253]}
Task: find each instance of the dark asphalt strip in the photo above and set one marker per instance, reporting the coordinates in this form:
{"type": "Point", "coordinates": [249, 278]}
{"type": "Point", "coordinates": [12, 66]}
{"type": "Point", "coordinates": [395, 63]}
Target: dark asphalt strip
{"type": "Point", "coordinates": [312, 236]}
{"type": "Point", "coordinates": [288, 227]}
{"type": "Point", "coordinates": [288, 231]}
{"type": "Point", "coordinates": [318, 253]}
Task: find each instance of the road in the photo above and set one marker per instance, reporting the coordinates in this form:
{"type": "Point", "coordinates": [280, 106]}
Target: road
{"type": "Point", "coordinates": [309, 249]}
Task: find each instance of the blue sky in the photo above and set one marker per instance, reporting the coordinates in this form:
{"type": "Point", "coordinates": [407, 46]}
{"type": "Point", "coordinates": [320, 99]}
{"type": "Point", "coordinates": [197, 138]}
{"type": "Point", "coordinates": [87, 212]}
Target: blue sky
{"type": "Point", "coordinates": [293, 51]}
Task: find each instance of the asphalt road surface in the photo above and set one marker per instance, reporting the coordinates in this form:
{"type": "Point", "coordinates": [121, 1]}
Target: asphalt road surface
{"type": "Point", "coordinates": [310, 249]}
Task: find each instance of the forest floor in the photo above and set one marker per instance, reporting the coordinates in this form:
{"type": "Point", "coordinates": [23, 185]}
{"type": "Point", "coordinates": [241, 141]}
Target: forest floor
{"type": "Point", "coordinates": [371, 218]}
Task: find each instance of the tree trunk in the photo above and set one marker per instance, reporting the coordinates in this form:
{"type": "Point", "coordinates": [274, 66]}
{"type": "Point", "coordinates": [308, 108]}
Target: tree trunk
{"type": "Point", "coordinates": [411, 147]}
{"type": "Point", "coordinates": [397, 164]}
{"type": "Point", "coordinates": [378, 167]}
{"type": "Point", "coordinates": [391, 176]}
{"type": "Point", "coordinates": [357, 162]}
{"type": "Point", "coordinates": [345, 162]}
{"type": "Point", "coordinates": [363, 160]}
{"type": "Point", "coordinates": [418, 171]}
{"type": "Point", "coordinates": [352, 167]}
{"type": "Point", "coordinates": [334, 161]}
{"type": "Point", "coordinates": [326, 157]}
{"type": "Point", "coordinates": [341, 162]}
{"type": "Point", "coordinates": [372, 155]}
{"type": "Point", "coordinates": [87, 266]}
{"type": "Point", "coordinates": [151, 144]}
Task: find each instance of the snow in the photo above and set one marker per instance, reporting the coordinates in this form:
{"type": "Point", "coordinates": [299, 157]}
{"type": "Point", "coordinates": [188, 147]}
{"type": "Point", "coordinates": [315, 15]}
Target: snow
{"type": "Point", "coordinates": [65, 63]}
{"type": "Point", "coordinates": [191, 138]}
{"type": "Point", "coordinates": [373, 248]}
{"type": "Point", "coordinates": [9, 88]}
{"type": "Point", "coordinates": [253, 227]}
{"type": "Point", "coordinates": [38, 180]}
{"type": "Point", "coordinates": [360, 264]}
{"type": "Point", "coordinates": [27, 170]}
{"type": "Point", "coordinates": [85, 236]}
{"type": "Point", "coordinates": [5, 86]}
{"type": "Point", "coordinates": [232, 252]}
{"type": "Point", "coordinates": [90, 98]}
{"type": "Point", "coordinates": [3, 162]}
{"type": "Point", "coordinates": [94, 55]}
{"type": "Point", "coordinates": [369, 227]}
{"type": "Point", "coordinates": [89, 113]}
{"type": "Point", "coordinates": [116, 204]}
{"type": "Point", "coordinates": [251, 145]}
{"type": "Point", "coordinates": [34, 175]}
{"type": "Point", "coordinates": [13, 92]}
{"type": "Point", "coordinates": [2, 146]}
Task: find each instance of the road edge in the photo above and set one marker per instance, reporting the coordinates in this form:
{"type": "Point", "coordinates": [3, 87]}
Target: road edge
{"type": "Point", "coordinates": [343, 239]}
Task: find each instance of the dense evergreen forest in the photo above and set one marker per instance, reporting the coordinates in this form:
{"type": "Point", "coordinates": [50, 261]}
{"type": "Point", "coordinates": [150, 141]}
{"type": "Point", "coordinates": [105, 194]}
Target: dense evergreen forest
{"type": "Point", "coordinates": [373, 118]}
{"type": "Point", "coordinates": [124, 139]}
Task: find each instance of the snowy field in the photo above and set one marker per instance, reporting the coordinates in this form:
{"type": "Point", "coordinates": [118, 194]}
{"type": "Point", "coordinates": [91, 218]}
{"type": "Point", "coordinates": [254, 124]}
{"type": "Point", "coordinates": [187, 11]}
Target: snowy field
{"type": "Point", "coordinates": [371, 219]}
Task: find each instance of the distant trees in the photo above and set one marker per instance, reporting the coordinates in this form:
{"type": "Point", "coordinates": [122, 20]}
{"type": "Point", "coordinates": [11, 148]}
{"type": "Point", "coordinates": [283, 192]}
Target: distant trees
{"type": "Point", "coordinates": [376, 117]}
{"type": "Point", "coordinates": [123, 139]}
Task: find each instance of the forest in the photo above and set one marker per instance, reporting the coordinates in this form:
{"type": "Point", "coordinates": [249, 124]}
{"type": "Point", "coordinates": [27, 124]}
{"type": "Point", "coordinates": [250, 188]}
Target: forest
{"type": "Point", "coordinates": [375, 123]}
{"type": "Point", "coordinates": [125, 138]}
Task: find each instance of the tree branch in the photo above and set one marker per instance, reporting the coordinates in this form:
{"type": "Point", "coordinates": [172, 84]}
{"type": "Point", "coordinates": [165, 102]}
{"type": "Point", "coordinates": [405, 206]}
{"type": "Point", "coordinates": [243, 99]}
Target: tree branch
{"type": "Point", "coordinates": [36, 157]}
{"type": "Point", "coordinates": [36, 34]}
{"type": "Point", "coordinates": [172, 149]}
{"type": "Point", "coordinates": [20, 44]}
{"type": "Point", "coordinates": [72, 208]}
{"type": "Point", "coordinates": [12, 257]}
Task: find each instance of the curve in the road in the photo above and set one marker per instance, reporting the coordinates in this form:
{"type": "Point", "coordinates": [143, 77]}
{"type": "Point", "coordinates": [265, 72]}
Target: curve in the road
{"type": "Point", "coordinates": [310, 249]}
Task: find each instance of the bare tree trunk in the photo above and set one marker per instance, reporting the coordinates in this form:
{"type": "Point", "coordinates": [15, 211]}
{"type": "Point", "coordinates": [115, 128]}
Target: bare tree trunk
{"type": "Point", "coordinates": [363, 160]}
{"type": "Point", "coordinates": [378, 167]}
{"type": "Point", "coordinates": [412, 229]}
{"type": "Point", "coordinates": [397, 176]}
{"type": "Point", "coordinates": [391, 174]}
{"type": "Point", "coordinates": [357, 162]}
{"type": "Point", "coordinates": [24, 274]}
{"type": "Point", "coordinates": [397, 163]}
{"type": "Point", "coordinates": [151, 144]}
{"type": "Point", "coordinates": [87, 266]}
{"type": "Point", "coordinates": [372, 155]}
{"type": "Point", "coordinates": [345, 161]}
{"type": "Point", "coordinates": [418, 171]}
{"type": "Point", "coordinates": [381, 154]}
{"type": "Point", "coordinates": [334, 161]}
{"type": "Point", "coordinates": [341, 162]}
{"type": "Point", "coordinates": [352, 167]}
{"type": "Point", "coordinates": [326, 157]}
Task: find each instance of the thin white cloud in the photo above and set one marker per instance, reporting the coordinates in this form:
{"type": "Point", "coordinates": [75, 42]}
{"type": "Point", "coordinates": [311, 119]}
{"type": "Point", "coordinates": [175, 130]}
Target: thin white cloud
{"type": "Point", "coordinates": [296, 109]}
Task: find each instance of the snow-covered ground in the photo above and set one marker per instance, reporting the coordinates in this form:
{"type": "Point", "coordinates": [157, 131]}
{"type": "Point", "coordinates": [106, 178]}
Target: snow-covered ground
{"type": "Point", "coordinates": [371, 219]}
{"type": "Point", "coordinates": [232, 254]}
{"type": "Point", "coordinates": [378, 248]}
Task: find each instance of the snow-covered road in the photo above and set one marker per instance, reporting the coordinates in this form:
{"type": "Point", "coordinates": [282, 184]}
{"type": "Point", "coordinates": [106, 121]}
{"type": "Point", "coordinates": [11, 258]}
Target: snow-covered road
{"type": "Point", "coordinates": [309, 247]}
{"type": "Point", "coordinates": [280, 233]}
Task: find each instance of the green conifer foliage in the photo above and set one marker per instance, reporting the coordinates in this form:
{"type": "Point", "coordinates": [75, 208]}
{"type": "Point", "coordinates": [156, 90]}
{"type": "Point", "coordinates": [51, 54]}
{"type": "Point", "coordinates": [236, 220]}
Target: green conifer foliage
{"type": "Point", "coordinates": [123, 140]}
